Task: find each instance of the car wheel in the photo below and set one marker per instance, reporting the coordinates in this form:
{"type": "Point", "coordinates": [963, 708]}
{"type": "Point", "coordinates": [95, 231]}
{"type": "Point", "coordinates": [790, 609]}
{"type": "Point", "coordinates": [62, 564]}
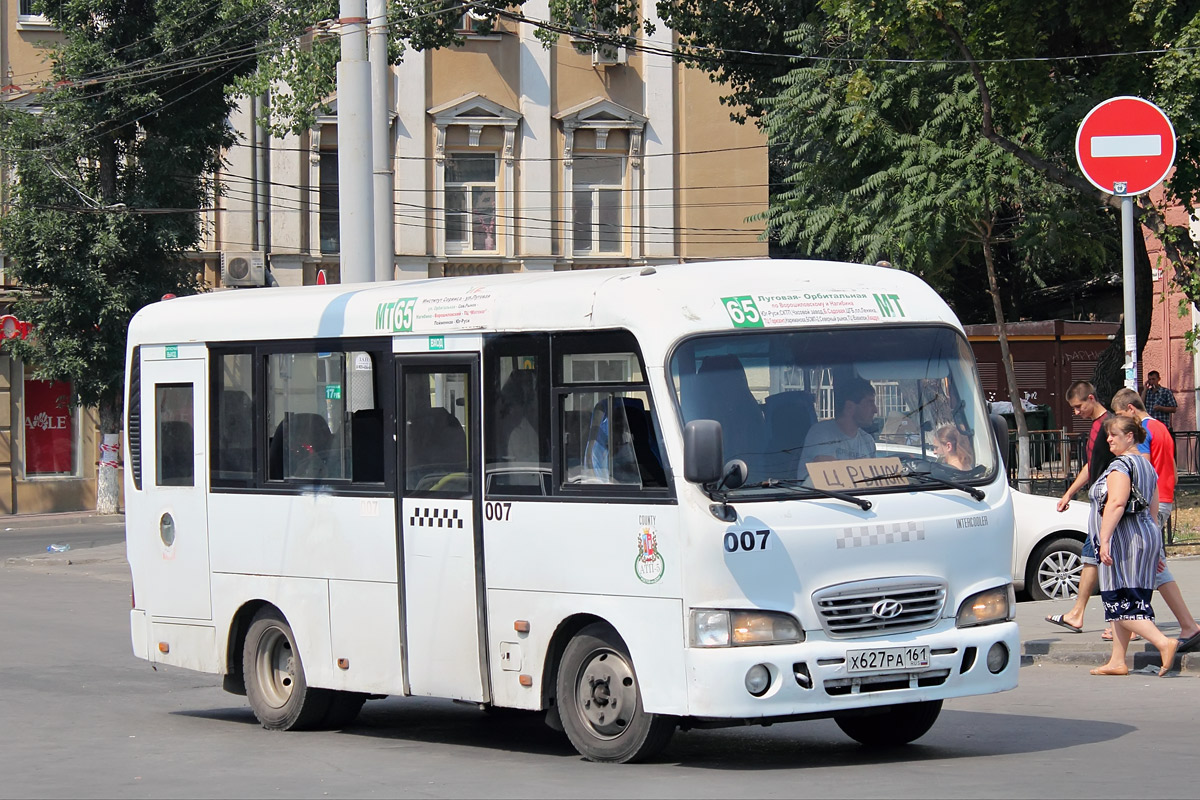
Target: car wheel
{"type": "Point", "coordinates": [1054, 570]}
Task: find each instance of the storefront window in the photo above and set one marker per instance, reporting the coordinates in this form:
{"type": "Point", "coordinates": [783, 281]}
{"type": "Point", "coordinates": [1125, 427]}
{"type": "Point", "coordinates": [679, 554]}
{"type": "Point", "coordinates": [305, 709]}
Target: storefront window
{"type": "Point", "coordinates": [49, 429]}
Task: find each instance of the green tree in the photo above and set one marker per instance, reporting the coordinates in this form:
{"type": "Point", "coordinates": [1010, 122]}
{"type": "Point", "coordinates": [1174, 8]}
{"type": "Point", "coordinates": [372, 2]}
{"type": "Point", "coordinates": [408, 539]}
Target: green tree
{"type": "Point", "coordinates": [111, 173]}
{"type": "Point", "coordinates": [1036, 68]}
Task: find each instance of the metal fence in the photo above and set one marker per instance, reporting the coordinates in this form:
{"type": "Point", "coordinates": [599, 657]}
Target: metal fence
{"type": "Point", "coordinates": [1055, 458]}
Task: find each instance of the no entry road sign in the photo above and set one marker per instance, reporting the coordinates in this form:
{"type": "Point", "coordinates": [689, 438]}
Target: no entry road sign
{"type": "Point", "coordinates": [1125, 146]}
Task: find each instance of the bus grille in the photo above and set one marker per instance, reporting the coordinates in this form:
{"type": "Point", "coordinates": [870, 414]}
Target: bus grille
{"type": "Point", "coordinates": [872, 608]}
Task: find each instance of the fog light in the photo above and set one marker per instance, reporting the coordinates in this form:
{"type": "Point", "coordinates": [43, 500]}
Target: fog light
{"type": "Point", "coordinates": [997, 658]}
{"type": "Point", "coordinates": [758, 680]}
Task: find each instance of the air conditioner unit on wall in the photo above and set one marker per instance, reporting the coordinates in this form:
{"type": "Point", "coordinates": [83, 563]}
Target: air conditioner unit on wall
{"type": "Point", "coordinates": [243, 269]}
{"type": "Point", "coordinates": [607, 55]}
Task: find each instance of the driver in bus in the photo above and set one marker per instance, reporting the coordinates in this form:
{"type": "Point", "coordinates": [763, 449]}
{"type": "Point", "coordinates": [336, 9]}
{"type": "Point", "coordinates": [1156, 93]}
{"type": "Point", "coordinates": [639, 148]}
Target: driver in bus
{"type": "Point", "coordinates": [843, 438]}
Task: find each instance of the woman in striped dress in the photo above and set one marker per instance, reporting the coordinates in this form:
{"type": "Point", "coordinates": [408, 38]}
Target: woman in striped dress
{"type": "Point", "coordinates": [1129, 544]}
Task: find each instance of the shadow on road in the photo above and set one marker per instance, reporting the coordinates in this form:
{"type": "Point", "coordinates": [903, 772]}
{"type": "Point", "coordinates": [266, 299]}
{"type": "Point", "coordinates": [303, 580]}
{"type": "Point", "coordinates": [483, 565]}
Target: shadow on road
{"type": "Point", "coordinates": [798, 745]}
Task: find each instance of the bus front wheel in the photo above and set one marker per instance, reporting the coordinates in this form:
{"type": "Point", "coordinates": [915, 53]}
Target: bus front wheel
{"type": "Point", "coordinates": [894, 726]}
{"type": "Point", "coordinates": [600, 703]}
{"type": "Point", "coordinates": [275, 686]}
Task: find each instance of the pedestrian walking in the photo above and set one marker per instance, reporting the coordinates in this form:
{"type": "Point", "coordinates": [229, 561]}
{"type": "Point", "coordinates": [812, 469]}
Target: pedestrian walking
{"type": "Point", "coordinates": [1082, 398]}
{"type": "Point", "coordinates": [1159, 448]}
{"type": "Point", "coordinates": [1124, 525]}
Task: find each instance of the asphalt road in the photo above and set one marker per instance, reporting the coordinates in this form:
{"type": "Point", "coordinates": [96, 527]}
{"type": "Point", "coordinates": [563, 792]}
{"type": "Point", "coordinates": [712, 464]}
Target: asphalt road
{"type": "Point", "coordinates": [15, 541]}
{"type": "Point", "coordinates": [83, 718]}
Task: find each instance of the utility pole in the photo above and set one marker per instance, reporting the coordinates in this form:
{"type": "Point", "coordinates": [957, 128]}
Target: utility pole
{"type": "Point", "coordinates": [354, 146]}
{"type": "Point", "coordinates": [381, 165]}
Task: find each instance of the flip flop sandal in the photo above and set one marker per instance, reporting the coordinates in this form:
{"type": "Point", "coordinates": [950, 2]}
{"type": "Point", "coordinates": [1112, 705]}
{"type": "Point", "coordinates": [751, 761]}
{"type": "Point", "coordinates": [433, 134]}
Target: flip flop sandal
{"type": "Point", "coordinates": [1108, 636]}
{"type": "Point", "coordinates": [1057, 619]}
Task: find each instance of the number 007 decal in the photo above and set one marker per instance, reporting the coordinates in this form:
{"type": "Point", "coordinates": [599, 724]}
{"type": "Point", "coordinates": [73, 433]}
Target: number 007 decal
{"type": "Point", "coordinates": [497, 511]}
{"type": "Point", "coordinates": [747, 540]}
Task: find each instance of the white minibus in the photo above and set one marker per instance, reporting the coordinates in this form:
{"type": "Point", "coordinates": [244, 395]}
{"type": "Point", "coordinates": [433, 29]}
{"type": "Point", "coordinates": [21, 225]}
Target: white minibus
{"type": "Point", "coordinates": [637, 498]}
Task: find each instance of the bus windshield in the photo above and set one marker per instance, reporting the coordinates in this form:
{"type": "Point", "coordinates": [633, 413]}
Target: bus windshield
{"type": "Point", "coordinates": [857, 410]}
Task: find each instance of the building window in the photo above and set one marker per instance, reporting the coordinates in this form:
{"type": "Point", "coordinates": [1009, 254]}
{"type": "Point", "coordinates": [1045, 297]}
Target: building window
{"type": "Point", "coordinates": [471, 202]}
{"type": "Point", "coordinates": [597, 195]}
{"type": "Point", "coordinates": [331, 240]}
{"type": "Point", "coordinates": [475, 23]}
{"type": "Point", "coordinates": [49, 429]}
{"type": "Point", "coordinates": [27, 18]}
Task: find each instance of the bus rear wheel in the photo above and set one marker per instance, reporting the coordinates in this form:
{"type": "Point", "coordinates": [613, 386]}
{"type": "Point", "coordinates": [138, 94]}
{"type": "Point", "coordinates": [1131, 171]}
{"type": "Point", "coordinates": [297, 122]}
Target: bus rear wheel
{"type": "Point", "coordinates": [275, 685]}
{"type": "Point", "coordinates": [600, 702]}
{"type": "Point", "coordinates": [896, 725]}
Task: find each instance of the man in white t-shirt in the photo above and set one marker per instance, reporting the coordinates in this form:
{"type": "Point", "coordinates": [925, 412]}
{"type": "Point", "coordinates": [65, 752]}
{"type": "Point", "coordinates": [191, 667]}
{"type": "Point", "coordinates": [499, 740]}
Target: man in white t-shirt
{"type": "Point", "coordinates": [843, 438]}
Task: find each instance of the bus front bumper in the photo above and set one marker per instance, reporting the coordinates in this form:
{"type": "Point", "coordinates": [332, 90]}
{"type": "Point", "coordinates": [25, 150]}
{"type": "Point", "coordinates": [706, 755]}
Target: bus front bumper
{"type": "Point", "coordinates": [814, 677]}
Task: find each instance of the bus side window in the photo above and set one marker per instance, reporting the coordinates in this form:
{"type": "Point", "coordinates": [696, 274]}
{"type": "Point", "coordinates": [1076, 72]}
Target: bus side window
{"type": "Point", "coordinates": [174, 435]}
{"type": "Point", "coordinates": [366, 445]}
{"type": "Point", "coordinates": [607, 431]}
{"type": "Point", "coordinates": [232, 420]}
{"type": "Point", "coordinates": [517, 433]}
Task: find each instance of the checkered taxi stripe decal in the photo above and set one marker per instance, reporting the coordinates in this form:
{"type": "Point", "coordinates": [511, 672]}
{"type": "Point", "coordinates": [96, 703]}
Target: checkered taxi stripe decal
{"type": "Point", "coordinates": [870, 535]}
{"type": "Point", "coordinates": [435, 518]}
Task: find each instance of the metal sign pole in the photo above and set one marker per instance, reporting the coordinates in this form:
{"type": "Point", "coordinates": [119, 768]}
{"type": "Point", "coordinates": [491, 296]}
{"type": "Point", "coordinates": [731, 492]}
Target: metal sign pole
{"type": "Point", "coordinates": [1131, 350]}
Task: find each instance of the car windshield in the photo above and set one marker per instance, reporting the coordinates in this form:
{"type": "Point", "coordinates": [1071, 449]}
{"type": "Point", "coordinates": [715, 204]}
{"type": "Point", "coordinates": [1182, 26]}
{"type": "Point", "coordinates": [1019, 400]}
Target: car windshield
{"type": "Point", "coordinates": [853, 410]}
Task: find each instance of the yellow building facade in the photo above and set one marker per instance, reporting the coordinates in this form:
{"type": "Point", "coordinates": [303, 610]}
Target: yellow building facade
{"type": "Point", "coordinates": [510, 156]}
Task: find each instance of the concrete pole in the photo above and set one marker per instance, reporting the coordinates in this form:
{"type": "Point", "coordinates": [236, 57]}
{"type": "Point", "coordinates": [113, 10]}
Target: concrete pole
{"type": "Point", "coordinates": [1131, 349]}
{"type": "Point", "coordinates": [381, 162]}
{"type": "Point", "coordinates": [354, 146]}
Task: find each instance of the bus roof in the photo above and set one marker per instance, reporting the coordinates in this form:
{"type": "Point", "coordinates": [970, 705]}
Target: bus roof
{"type": "Point", "coordinates": [663, 302]}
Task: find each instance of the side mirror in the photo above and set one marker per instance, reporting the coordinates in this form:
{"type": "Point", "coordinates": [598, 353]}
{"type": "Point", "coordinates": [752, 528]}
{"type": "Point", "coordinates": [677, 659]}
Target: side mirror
{"type": "Point", "coordinates": [734, 475]}
{"type": "Point", "coordinates": [703, 457]}
{"type": "Point", "coordinates": [1000, 427]}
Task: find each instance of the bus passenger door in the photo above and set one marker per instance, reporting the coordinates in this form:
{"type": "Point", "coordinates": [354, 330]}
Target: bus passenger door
{"type": "Point", "coordinates": [172, 527]}
{"type": "Point", "coordinates": [441, 552]}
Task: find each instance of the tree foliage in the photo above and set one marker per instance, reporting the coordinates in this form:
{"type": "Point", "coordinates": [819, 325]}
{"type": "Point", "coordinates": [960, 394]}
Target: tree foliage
{"type": "Point", "coordinates": [868, 74]}
{"type": "Point", "coordinates": [111, 172]}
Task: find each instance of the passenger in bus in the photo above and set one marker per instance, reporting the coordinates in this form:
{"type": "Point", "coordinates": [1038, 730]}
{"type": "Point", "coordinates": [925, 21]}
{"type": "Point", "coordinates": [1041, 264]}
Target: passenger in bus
{"type": "Point", "coordinates": [610, 454]}
{"type": "Point", "coordinates": [518, 434]}
{"type": "Point", "coordinates": [843, 438]}
{"type": "Point", "coordinates": [953, 448]}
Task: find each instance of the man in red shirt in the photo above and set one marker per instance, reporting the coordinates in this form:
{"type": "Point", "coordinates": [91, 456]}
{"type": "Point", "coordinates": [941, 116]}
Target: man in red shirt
{"type": "Point", "coordinates": [1159, 448]}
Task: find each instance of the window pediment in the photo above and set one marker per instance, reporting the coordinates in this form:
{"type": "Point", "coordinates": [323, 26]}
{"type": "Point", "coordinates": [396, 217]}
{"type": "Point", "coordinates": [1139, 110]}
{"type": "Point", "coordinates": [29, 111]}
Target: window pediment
{"type": "Point", "coordinates": [474, 109]}
{"type": "Point", "coordinates": [600, 112]}
{"type": "Point", "coordinates": [602, 115]}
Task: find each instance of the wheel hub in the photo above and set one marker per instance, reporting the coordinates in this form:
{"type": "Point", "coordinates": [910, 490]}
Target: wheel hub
{"type": "Point", "coordinates": [1058, 575]}
{"type": "Point", "coordinates": [606, 694]}
{"type": "Point", "coordinates": [276, 668]}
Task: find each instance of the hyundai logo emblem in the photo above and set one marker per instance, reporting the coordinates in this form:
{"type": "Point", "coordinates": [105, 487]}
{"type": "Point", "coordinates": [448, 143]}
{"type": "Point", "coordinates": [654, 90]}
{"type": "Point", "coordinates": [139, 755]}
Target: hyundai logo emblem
{"type": "Point", "coordinates": [887, 608]}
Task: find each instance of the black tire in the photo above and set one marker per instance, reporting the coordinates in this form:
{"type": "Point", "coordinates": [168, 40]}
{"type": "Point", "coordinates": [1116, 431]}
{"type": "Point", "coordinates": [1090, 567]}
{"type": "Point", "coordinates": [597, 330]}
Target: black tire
{"type": "Point", "coordinates": [603, 722]}
{"type": "Point", "coordinates": [275, 685]}
{"type": "Point", "coordinates": [897, 725]}
{"type": "Point", "coordinates": [343, 710]}
{"type": "Point", "coordinates": [1054, 570]}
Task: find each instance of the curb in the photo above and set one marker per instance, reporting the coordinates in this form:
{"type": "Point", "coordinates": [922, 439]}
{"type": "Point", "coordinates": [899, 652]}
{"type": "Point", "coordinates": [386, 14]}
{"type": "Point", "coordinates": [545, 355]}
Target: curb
{"type": "Point", "coordinates": [20, 522]}
{"type": "Point", "coordinates": [1040, 651]}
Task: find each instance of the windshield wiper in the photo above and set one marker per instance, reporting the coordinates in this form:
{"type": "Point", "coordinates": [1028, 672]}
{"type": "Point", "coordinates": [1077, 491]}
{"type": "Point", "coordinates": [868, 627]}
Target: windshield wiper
{"type": "Point", "coordinates": [926, 478]}
{"type": "Point", "coordinates": [776, 483]}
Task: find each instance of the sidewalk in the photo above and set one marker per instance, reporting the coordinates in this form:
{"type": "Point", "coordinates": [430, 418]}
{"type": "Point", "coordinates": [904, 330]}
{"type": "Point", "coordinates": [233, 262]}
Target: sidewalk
{"type": "Point", "coordinates": [1042, 642]}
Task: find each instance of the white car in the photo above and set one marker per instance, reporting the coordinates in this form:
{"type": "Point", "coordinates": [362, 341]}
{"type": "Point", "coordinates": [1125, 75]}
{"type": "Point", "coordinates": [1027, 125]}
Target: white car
{"type": "Point", "coordinates": [1047, 546]}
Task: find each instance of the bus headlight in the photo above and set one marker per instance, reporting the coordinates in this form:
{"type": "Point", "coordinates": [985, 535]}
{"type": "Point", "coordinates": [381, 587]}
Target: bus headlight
{"type": "Point", "coordinates": [728, 628]}
{"type": "Point", "coordinates": [984, 608]}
